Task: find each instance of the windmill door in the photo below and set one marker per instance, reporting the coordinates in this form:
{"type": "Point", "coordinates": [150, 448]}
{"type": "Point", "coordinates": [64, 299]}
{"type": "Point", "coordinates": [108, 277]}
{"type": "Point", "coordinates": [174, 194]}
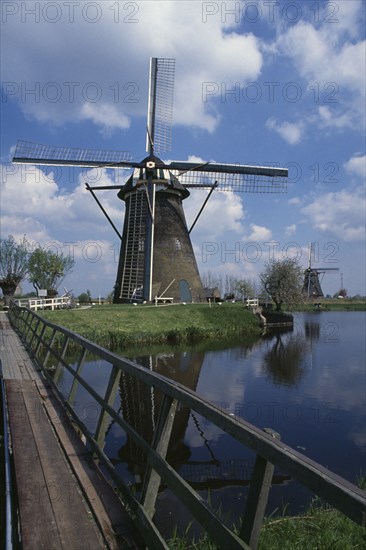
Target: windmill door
{"type": "Point", "coordinates": [185, 291]}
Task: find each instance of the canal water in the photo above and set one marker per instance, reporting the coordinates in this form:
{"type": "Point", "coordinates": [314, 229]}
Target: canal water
{"type": "Point", "coordinates": [308, 384]}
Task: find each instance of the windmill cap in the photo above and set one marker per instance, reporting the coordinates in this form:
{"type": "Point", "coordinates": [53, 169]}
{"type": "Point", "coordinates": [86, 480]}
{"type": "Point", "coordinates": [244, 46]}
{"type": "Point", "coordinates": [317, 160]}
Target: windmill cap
{"type": "Point", "coordinates": [153, 167]}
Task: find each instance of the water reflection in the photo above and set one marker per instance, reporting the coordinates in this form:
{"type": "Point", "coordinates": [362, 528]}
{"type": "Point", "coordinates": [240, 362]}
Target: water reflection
{"type": "Point", "coordinates": [307, 383]}
{"type": "Point", "coordinates": [140, 406]}
{"type": "Point", "coordinates": [312, 330]}
{"type": "Point", "coordinates": [283, 363]}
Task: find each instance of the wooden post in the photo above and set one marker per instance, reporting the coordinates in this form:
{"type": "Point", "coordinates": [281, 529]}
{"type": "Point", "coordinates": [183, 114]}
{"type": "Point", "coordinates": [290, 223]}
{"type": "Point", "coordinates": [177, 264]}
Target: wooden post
{"type": "Point", "coordinates": [257, 498]}
{"type": "Point", "coordinates": [27, 326]}
{"type": "Point", "coordinates": [50, 344]}
{"type": "Point", "coordinates": [160, 443]}
{"type": "Point", "coordinates": [34, 335]}
{"type": "Point", "coordinates": [110, 396]}
{"type": "Point", "coordinates": [58, 370]}
{"type": "Point", "coordinates": [40, 339]}
{"type": "Point", "coordinates": [75, 382]}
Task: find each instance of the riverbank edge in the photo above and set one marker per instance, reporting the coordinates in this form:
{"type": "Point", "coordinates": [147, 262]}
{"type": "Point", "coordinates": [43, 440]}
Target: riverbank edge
{"type": "Point", "coordinates": [118, 327]}
{"type": "Point", "coordinates": [328, 305]}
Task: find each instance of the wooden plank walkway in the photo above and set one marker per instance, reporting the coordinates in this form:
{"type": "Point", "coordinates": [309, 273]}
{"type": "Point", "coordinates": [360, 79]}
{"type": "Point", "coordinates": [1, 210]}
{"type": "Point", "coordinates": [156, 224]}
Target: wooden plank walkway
{"type": "Point", "coordinates": [63, 501]}
{"type": "Point", "coordinates": [44, 480]}
{"type": "Point", "coordinates": [15, 361]}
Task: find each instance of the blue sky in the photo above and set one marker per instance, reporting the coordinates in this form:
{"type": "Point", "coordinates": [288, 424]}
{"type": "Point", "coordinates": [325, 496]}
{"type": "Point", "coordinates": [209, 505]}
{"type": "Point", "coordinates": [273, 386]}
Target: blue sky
{"type": "Point", "coordinates": [259, 82]}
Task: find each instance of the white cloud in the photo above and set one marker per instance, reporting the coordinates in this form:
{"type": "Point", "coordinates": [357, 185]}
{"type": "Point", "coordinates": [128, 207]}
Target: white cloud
{"type": "Point", "coordinates": [107, 116]}
{"type": "Point", "coordinates": [321, 54]}
{"type": "Point", "coordinates": [48, 212]}
{"type": "Point", "coordinates": [356, 165]}
{"type": "Point", "coordinates": [258, 233]}
{"type": "Point", "coordinates": [333, 56]}
{"type": "Point", "coordinates": [295, 200]}
{"type": "Point", "coordinates": [289, 131]}
{"type": "Point", "coordinates": [18, 226]}
{"type": "Point", "coordinates": [70, 213]}
{"type": "Point", "coordinates": [70, 220]}
{"type": "Point", "coordinates": [290, 230]}
{"type": "Point", "coordinates": [54, 59]}
{"type": "Point", "coordinates": [330, 119]}
{"type": "Point", "coordinates": [340, 213]}
{"type": "Point", "coordinates": [349, 19]}
{"type": "Point", "coordinates": [223, 212]}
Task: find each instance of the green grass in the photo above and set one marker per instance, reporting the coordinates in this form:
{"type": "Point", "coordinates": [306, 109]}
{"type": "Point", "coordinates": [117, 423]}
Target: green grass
{"type": "Point", "coordinates": [119, 326]}
{"type": "Point", "coordinates": [319, 528]}
{"type": "Point", "coordinates": [331, 305]}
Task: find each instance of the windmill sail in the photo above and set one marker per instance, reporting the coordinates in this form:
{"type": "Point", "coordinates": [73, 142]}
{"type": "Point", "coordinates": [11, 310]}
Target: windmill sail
{"type": "Point", "coordinates": [27, 152]}
{"type": "Point", "coordinates": [160, 105]}
{"type": "Point", "coordinates": [229, 177]}
{"type": "Point", "coordinates": [156, 251]}
{"type": "Point", "coordinates": [232, 177]}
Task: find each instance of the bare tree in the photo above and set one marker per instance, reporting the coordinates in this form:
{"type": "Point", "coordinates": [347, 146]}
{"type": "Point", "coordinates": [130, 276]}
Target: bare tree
{"type": "Point", "coordinates": [211, 280]}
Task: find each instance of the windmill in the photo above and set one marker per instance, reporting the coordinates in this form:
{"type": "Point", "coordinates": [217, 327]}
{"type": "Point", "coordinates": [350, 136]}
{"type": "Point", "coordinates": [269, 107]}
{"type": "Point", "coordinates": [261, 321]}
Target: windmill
{"type": "Point", "coordinates": [156, 256]}
{"type": "Point", "coordinates": [312, 287]}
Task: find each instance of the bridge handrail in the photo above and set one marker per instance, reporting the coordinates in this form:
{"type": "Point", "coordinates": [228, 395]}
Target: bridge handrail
{"type": "Point", "coordinates": [343, 495]}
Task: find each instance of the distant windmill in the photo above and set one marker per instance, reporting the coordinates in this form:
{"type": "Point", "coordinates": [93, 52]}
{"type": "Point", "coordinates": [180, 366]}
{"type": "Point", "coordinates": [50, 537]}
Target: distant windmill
{"type": "Point", "coordinates": [312, 287]}
{"type": "Point", "coordinates": [156, 255]}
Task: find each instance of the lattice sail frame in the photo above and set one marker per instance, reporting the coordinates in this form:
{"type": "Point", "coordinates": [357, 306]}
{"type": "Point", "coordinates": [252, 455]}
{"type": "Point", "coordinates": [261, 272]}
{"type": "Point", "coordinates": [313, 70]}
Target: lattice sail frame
{"type": "Point", "coordinates": [28, 152]}
{"type": "Point", "coordinates": [240, 183]}
{"type": "Point", "coordinates": [229, 177]}
{"type": "Point", "coordinates": [160, 105]}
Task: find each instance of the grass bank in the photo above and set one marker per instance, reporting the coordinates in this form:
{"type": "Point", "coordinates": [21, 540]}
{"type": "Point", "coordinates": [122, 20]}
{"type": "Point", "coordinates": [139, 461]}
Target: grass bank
{"type": "Point", "coordinates": [326, 304]}
{"type": "Point", "coordinates": [121, 326]}
{"type": "Point", "coordinates": [320, 527]}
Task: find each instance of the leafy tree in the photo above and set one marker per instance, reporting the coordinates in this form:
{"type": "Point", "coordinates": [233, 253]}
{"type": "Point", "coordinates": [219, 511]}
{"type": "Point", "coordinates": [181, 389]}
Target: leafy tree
{"type": "Point", "coordinates": [13, 265]}
{"type": "Point", "coordinates": [245, 288]}
{"type": "Point", "coordinates": [85, 297]}
{"type": "Point", "coordinates": [46, 269]}
{"type": "Point", "coordinates": [283, 280]}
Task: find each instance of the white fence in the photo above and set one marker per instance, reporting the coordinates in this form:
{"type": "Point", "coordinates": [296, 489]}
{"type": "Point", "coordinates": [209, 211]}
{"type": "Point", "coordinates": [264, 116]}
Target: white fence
{"type": "Point", "coordinates": [253, 302]}
{"type": "Point", "coordinates": [45, 303]}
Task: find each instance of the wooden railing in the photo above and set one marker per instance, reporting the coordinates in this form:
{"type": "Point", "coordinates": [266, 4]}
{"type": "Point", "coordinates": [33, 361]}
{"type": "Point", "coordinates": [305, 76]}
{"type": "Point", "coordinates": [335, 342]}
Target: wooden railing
{"type": "Point", "coordinates": [252, 302]}
{"type": "Point", "coordinates": [45, 340]}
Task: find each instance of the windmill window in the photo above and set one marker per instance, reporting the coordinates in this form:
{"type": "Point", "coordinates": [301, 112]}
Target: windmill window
{"type": "Point", "coordinates": [178, 244]}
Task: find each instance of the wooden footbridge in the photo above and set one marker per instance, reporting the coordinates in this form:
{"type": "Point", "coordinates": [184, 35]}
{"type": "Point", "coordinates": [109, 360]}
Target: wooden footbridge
{"type": "Point", "coordinates": [63, 499]}
{"type": "Point", "coordinates": [58, 499]}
